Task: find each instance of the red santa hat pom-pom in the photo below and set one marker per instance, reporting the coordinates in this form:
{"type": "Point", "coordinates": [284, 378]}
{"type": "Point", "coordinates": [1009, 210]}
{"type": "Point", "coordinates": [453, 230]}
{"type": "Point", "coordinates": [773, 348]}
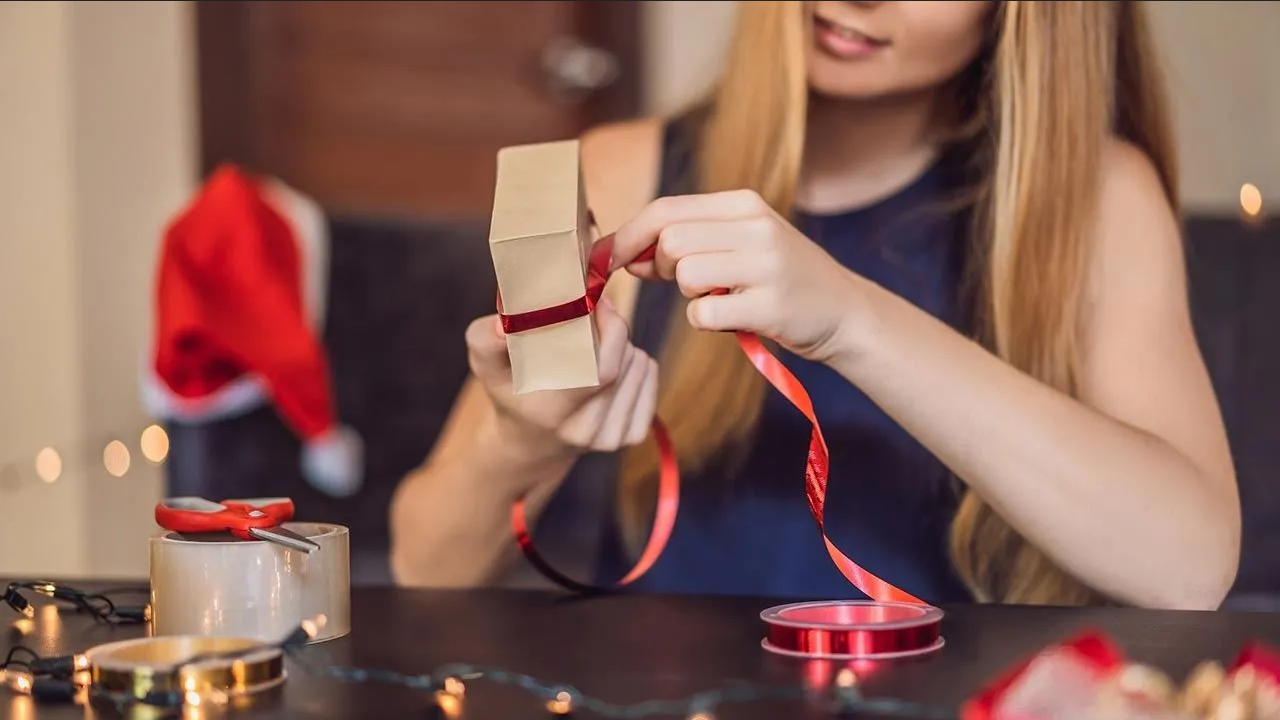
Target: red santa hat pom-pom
{"type": "Point", "coordinates": [239, 305]}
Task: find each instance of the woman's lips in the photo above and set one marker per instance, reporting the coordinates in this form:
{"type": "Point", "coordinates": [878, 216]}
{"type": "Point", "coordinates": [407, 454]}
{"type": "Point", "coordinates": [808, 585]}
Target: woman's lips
{"type": "Point", "coordinates": [843, 41]}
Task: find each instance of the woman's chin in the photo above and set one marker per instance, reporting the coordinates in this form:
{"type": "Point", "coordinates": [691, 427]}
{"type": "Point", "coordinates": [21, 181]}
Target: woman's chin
{"type": "Point", "coordinates": [849, 83]}
{"type": "Point", "coordinates": [862, 84]}
{"type": "Point", "coordinates": [847, 90]}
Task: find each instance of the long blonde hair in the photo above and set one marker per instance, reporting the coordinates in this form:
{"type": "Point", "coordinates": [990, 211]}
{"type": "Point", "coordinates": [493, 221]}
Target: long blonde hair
{"type": "Point", "coordinates": [1056, 82]}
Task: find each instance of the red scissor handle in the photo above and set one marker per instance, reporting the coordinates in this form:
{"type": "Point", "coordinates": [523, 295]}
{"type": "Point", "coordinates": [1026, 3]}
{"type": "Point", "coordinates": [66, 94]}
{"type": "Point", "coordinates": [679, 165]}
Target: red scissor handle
{"type": "Point", "coordinates": [281, 509]}
{"type": "Point", "coordinates": [238, 517]}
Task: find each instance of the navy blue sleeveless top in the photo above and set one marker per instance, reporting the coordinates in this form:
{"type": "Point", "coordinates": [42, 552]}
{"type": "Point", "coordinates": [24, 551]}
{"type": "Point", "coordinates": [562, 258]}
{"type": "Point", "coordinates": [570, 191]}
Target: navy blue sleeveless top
{"type": "Point", "coordinates": [747, 530]}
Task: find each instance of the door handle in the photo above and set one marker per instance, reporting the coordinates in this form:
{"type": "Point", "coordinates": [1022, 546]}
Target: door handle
{"type": "Point", "coordinates": [575, 69]}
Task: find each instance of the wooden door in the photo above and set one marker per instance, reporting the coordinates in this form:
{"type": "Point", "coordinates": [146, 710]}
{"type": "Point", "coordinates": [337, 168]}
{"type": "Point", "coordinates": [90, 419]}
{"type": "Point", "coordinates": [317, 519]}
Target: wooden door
{"type": "Point", "coordinates": [401, 107]}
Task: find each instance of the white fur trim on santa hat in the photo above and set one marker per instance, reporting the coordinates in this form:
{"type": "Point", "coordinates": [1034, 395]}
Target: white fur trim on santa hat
{"type": "Point", "coordinates": [333, 463]}
{"type": "Point", "coordinates": [311, 231]}
{"type": "Point", "coordinates": [235, 398]}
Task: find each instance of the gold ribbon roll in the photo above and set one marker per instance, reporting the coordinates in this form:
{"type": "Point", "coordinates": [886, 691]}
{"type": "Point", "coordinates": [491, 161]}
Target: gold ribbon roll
{"type": "Point", "coordinates": [196, 669]}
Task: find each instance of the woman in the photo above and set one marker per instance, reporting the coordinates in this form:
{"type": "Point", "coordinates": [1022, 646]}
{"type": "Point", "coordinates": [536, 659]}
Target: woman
{"type": "Point", "coordinates": [957, 220]}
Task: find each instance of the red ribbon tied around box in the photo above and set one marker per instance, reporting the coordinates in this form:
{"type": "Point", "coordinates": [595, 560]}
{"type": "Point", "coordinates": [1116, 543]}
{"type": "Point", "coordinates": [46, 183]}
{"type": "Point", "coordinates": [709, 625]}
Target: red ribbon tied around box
{"type": "Point", "coordinates": [816, 467]}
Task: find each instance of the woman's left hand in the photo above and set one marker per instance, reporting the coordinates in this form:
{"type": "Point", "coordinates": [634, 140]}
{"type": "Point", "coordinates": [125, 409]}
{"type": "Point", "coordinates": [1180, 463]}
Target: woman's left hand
{"type": "Point", "coordinates": [780, 284]}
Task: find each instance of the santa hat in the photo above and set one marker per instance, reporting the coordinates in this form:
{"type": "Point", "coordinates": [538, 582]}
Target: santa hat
{"type": "Point", "coordinates": [238, 317]}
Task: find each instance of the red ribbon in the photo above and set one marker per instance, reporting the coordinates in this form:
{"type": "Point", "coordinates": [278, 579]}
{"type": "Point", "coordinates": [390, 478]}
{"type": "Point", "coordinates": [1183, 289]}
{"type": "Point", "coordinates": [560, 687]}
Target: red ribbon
{"type": "Point", "coordinates": [816, 468]}
{"type": "Point", "coordinates": [857, 629]}
{"type": "Point", "coordinates": [866, 642]}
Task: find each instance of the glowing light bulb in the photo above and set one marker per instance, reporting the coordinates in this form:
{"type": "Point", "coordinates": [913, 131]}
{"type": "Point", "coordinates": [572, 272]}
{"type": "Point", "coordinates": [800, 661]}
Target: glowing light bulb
{"type": "Point", "coordinates": [846, 678]}
{"type": "Point", "coordinates": [17, 681]}
{"type": "Point", "coordinates": [49, 465]}
{"type": "Point", "coordinates": [155, 444]}
{"type": "Point", "coordinates": [115, 458]}
{"type": "Point", "coordinates": [450, 705]}
{"type": "Point", "coordinates": [454, 687]}
{"type": "Point", "coordinates": [561, 704]}
{"type": "Point", "coordinates": [1250, 199]}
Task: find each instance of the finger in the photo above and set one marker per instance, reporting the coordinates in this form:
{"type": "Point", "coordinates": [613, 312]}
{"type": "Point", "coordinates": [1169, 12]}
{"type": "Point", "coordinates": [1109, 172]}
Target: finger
{"type": "Point", "coordinates": [683, 240]}
{"type": "Point", "coordinates": [646, 406]}
{"type": "Point", "coordinates": [736, 311]}
{"type": "Point", "coordinates": [643, 269]}
{"type": "Point", "coordinates": [643, 230]}
{"type": "Point", "coordinates": [698, 275]}
{"type": "Point", "coordinates": [485, 334]}
{"type": "Point", "coordinates": [583, 424]}
{"type": "Point", "coordinates": [487, 345]}
{"type": "Point", "coordinates": [612, 430]}
{"type": "Point", "coordinates": [614, 344]}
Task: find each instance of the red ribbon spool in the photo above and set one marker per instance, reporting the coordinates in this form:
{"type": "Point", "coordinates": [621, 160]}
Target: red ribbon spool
{"type": "Point", "coordinates": [894, 624]}
{"type": "Point", "coordinates": [853, 630]}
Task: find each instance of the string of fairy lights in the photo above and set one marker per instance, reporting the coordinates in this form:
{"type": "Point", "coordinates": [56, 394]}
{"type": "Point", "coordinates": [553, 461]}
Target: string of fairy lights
{"type": "Point", "coordinates": [117, 456]}
{"type": "Point", "coordinates": [67, 678]}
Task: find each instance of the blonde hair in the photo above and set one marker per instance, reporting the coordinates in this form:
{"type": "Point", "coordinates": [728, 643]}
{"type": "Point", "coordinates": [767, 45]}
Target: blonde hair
{"type": "Point", "coordinates": [1057, 80]}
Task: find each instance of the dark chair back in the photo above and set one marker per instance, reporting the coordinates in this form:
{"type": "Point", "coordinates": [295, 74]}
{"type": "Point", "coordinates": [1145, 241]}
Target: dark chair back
{"type": "Point", "coordinates": [401, 295]}
{"type": "Point", "coordinates": [1235, 303]}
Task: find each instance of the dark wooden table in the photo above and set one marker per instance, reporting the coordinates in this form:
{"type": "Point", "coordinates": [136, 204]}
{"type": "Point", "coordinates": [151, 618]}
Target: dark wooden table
{"type": "Point", "coordinates": [627, 649]}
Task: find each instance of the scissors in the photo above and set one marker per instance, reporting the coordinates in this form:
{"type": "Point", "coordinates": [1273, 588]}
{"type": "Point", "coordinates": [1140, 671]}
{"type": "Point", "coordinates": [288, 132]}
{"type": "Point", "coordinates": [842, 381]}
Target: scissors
{"type": "Point", "coordinates": [255, 519]}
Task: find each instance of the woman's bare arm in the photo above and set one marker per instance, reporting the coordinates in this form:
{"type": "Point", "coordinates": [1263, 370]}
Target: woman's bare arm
{"type": "Point", "coordinates": [449, 519]}
{"type": "Point", "coordinates": [1131, 487]}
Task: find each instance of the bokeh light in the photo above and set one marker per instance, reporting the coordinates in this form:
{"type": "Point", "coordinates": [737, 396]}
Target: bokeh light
{"type": "Point", "coordinates": [1251, 199]}
{"type": "Point", "coordinates": [115, 458]}
{"type": "Point", "coordinates": [155, 444]}
{"type": "Point", "coordinates": [49, 465]}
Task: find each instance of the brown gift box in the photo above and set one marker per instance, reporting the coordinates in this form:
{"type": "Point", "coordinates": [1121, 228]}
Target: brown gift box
{"type": "Point", "coordinates": [540, 238]}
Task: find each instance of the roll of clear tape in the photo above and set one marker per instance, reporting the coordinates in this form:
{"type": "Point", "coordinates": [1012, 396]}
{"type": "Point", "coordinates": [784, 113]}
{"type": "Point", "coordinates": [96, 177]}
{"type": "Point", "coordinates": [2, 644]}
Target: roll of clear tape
{"type": "Point", "coordinates": [221, 586]}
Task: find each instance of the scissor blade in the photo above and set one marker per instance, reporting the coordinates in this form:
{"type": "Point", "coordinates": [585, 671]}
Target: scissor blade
{"type": "Point", "coordinates": [285, 537]}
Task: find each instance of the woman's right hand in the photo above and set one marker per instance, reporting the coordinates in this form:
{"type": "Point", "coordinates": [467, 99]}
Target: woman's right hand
{"type": "Point", "coordinates": [605, 418]}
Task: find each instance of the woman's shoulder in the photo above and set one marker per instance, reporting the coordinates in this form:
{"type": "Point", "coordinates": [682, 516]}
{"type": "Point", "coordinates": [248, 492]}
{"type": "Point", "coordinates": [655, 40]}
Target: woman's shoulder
{"type": "Point", "coordinates": [1136, 222]}
{"type": "Point", "coordinates": [621, 165]}
{"type": "Point", "coordinates": [629, 163]}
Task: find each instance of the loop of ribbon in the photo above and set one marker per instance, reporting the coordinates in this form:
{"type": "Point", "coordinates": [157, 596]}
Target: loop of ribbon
{"type": "Point", "coordinates": [817, 466]}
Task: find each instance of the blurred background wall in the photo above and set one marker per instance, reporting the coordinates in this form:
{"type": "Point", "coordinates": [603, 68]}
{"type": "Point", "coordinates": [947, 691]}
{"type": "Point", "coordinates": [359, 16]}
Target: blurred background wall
{"type": "Point", "coordinates": [99, 146]}
{"type": "Point", "coordinates": [96, 149]}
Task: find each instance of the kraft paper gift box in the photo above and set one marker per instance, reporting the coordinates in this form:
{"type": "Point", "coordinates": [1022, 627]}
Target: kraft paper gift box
{"type": "Point", "coordinates": [540, 238]}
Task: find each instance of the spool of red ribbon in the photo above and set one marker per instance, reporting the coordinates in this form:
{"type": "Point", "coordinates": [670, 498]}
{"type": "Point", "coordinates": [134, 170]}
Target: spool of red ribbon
{"type": "Point", "coordinates": [853, 630]}
{"type": "Point", "coordinates": [888, 598]}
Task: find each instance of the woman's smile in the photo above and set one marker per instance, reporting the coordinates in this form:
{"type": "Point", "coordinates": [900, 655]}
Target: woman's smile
{"type": "Point", "coordinates": [844, 42]}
